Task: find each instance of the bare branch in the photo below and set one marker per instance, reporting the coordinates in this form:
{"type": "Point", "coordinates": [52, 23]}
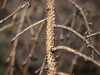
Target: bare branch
{"type": "Point", "coordinates": [16, 11]}
{"type": "Point", "coordinates": [77, 53]}
{"type": "Point", "coordinates": [93, 34]}
{"type": "Point", "coordinates": [28, 28]}
{"type": "Point", "coordinates": [80, 36]}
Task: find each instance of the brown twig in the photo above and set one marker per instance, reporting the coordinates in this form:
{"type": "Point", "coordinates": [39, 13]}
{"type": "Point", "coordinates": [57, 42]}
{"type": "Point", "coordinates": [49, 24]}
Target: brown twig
{"type": "Point", "coordinates": [75, 58]}
{"type": "Point", "coordinates": [42, 67]}
{"type": "Point", "coordinates": [28, 28]}
{"type": "Point", "coordinates": [13, 52]}
{"type": "Point", "coordinates": [93, 34]}
{"type": "Point", "coordinates": [34, 45]}
{"type": "Point", "coordinates": [9, 25]}
{"type": "Point", "coordinates": [16, 11]}
{"type": "Point", "coordinates": [80, 9]}
{"type": "Point", "coordinates": [73, 20]}
{"type": "Point", "coordinates": [80, 36]}
{"type": "Point", "coordinates": [61, 73]}
{"type": "Point", "coordinates": [86, 23]}
{"type": "Point", "coordinates": [4, 4]}
{"type": "Point", "coordinates": [30, 22]}
{"type": "Point", "coordinates": [77, 53]}
{"type": "Point", "coordinates": [26, 63]}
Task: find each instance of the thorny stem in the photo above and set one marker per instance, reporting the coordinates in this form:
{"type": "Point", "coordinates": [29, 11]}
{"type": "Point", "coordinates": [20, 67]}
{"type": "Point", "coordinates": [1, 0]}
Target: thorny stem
{"type": "Point", "coordinates": [51, 64]}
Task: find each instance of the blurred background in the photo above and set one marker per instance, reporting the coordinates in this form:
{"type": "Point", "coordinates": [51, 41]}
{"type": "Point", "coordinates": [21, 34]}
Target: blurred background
{"type": "Point", "coordinates": [66, 14]}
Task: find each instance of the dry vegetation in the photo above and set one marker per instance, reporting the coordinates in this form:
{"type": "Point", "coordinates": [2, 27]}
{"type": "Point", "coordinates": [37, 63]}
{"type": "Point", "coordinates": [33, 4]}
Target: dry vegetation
{"type": "Point", "coordinates": [62, 37]}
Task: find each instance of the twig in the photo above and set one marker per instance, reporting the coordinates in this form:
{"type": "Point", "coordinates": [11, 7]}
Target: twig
{"type": "Point", "coordinates": [93, 34]}
{"type": "Point", "coordinates": [73, 20]}
{"type": "Point", "coordinates": [25, 69]}
{"type": "Point", "coordinates": [70, 29]}
{"type": "Point", "coordinates": [30, 22]}
{"type": "Point", "coordinates": [17, 10]}
{"type": "Point", "coordinates": [9, 25]}
{"type": "Point", "coordinates": [75, 58]}
{"type": "Point", "coordinates": [43, 65]}
{"type": "Point", "coordinates": [26, 63]}
{"type": "Point", "coordinates": [75, 52]}
{"type": "Point", "coordinates": [13, 52]}
{"type": "Point", "coordinates": [34, 45]}
{"type": "Point", "coordinates": [82, 37]}
{"type": "Point", "coordinates": [4, 4]}
{"type": "Point", "coordinates": [86, 22]}
{"type": "Point", "coordinates": [28, 28]}
{"type": "Point", "coordinates": [80, 9]}
{"type": "Point", "coordinates": [61, 73]}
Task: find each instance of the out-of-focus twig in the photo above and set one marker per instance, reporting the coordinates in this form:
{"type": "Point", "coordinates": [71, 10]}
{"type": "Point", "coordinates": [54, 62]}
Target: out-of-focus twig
{"type": "Point", "coordinates": [75, 58]}
{"type": "Point", "coordinates": [4, 4]}
{"type": "Point", "coordinates": [26, 63]}
{"type": "Point", "coordinates": [61, 73]}
{"type": "Point", "coordinates": [86, 23]}
{"type": "Point", "coordinates": [30, 22]}
{"type": "Point", "coordinates": [16, 11]}
{"type": "Point", "coordinates": [34, 45]}
{"type": "Point", "coordinates": [80, 9]}
{"type": "Point", "coordinates": [13, 52]}
{"type": "Point", "coordinates": [9, 25]}
{"type": "Point", "coordinates": [73, 21]}
{"type": "Point", "coordinates": [43, 65]}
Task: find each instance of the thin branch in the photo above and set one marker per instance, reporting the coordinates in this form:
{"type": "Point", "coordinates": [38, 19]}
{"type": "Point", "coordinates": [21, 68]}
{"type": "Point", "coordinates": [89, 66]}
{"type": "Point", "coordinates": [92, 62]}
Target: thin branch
{"type": "Point", "coordinates": [28, 28]}
{"type": "Point", "coordinates": [30, 22]}
{"type": "Point", "coordinates": [25, 69]}
{"type": "Point", "coordinates": [32, 50]}
{"type": "Point", "coordinates": [9, 25]}
{"type": "Point", "coordinates": [16, 11]}
{"type": "Point", "coordinates": [34, 45]}
{"type": "Point", "coordinates": [77, 53]}
{"type": "Point", "coordinates": [61, 73]}
{"type": "Point", "coordinates": [13, 52]}
{"type": "Point", "coordinates": [73, 20]}
{"type": "Point", "coordinates": [4, 4]}
{"type": "Point", "coordinates": [70, 29]}
{"type": "Point", "coordinates": [80, 36]}
{"type": "Point", "coordinates": [86, 22]}
{"type": "Point", "coordinates": [42, 67]}
{"type": "Point", "coordinates": [80, 9]}
{"type": "Point", "coordinates": [75, 58]}
{"type": "Point", "coordinates": [93, 34]}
